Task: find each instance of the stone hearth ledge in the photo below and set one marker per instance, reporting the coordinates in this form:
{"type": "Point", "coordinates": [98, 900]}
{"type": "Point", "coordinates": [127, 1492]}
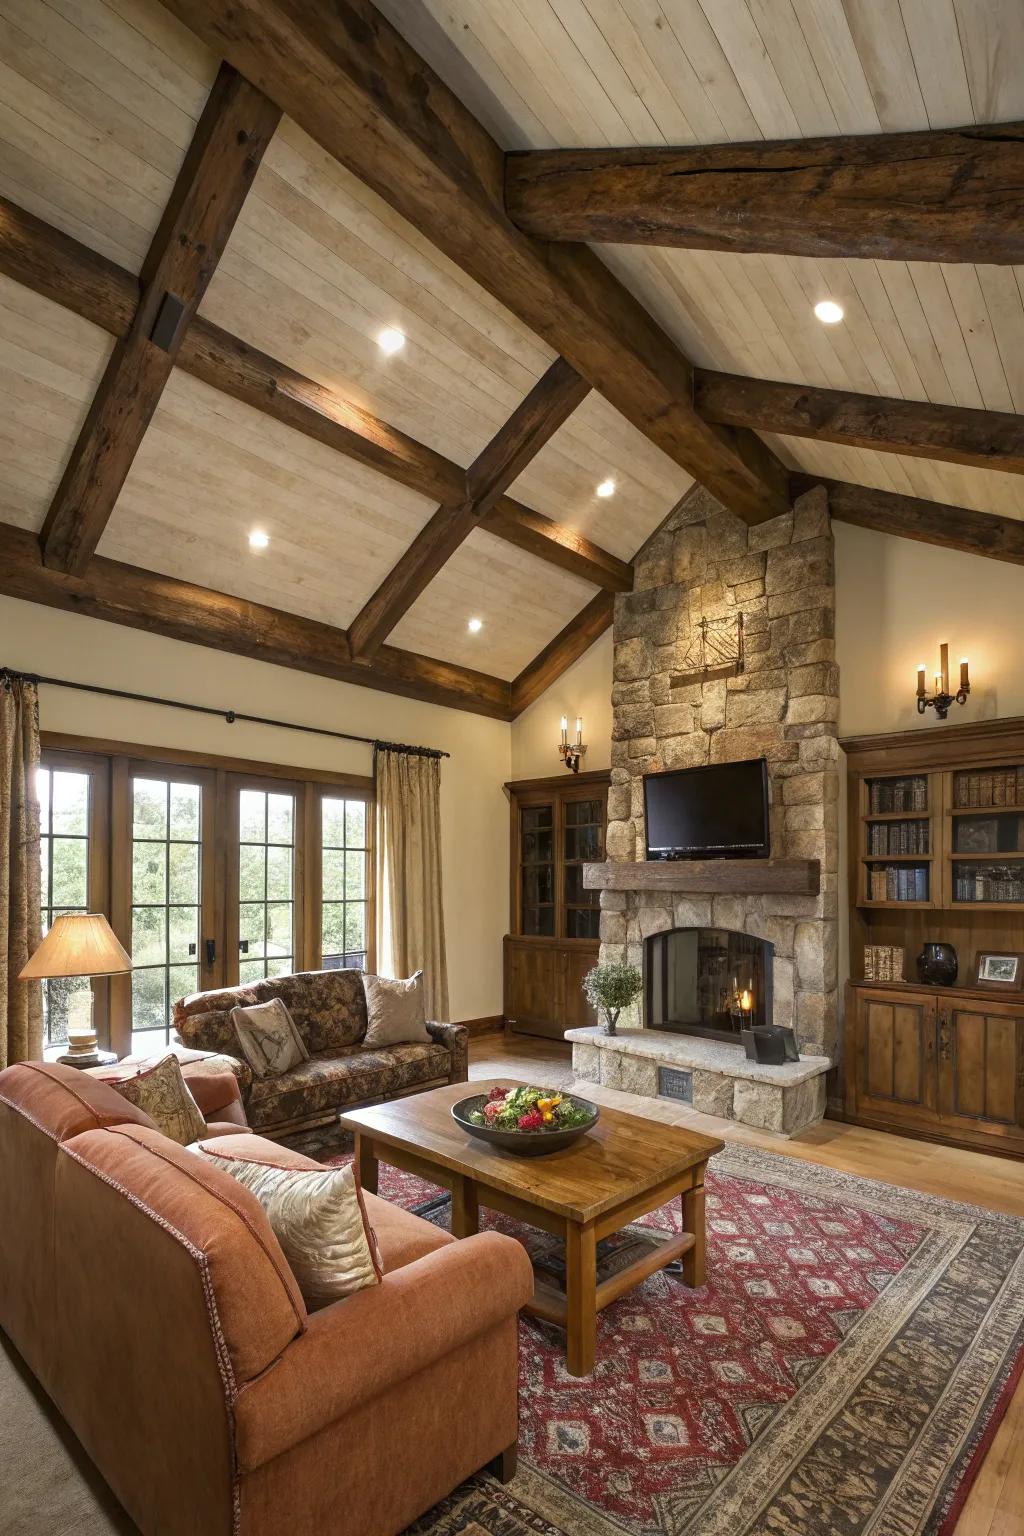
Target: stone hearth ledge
{"type": "Point", "coordinates": [784, 1099]}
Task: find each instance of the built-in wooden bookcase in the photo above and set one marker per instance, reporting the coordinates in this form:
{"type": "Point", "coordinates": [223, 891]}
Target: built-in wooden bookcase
{"type": "Point", "coordinates": [936, 852]}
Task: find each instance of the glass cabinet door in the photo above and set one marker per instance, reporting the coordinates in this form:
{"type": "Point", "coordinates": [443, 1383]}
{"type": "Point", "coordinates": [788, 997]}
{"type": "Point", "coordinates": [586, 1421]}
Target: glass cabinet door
{"type": "Point", "coordinates": [537, 869]}
{"type": "Point", "coordinates": [582, 843]}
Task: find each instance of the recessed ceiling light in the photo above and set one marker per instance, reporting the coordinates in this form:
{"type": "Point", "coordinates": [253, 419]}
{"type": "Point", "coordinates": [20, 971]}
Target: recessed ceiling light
{"type": "Point", "coordinates": [391, 340]}
{"type": "Point", "coordinates": [258, 539]}
{"type": "Point", "coordinates": [475, 626]}
{"type": "Point", "coordinates": [606, 488]}
{"type": "Point", "coordinates": [829, 312]}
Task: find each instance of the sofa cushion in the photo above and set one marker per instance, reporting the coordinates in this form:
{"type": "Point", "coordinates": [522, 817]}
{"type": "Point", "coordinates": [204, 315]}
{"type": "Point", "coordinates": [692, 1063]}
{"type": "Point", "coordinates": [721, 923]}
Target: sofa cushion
{"type": "Point", "coordinates": [332, 1079]}
{"type": "Point", "coordinates": [258, 1301]}
{"type": "Point", "coordinates": [395, 1010]}
{"type": "Point", "coordinates": [159, 1090]}
{"type": "Point", "coordinates": [268, 1037]}
{"type": "Point", "coordinates": [328, 1008]}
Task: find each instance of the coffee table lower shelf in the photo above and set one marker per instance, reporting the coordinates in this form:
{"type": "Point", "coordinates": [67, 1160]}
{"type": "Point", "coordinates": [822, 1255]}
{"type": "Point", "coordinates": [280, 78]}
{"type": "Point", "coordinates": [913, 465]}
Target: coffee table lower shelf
{"type": "Point", "coordinates": [585, 1294]}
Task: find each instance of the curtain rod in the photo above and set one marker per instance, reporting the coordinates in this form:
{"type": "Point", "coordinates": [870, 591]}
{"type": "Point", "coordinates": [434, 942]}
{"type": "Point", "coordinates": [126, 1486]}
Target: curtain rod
{"type": "Point", "coordinates": [9, 675]}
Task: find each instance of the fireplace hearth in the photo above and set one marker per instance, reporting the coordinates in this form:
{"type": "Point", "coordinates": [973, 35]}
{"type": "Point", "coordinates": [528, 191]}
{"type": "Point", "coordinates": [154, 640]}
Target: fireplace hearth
{"type": "Point", "coordinates": [712, 982]}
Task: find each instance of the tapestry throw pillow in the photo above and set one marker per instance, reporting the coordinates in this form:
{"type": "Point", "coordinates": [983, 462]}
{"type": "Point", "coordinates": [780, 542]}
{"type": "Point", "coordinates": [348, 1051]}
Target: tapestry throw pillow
{"type": "Point", "coordinates": [268, 1038]}
{"type": "Point", "coordinates": [162, 1093]}
{"type": "Point", "coordinates": [317, 1216]}
{"type": "Point", "coordinates": [395, 1011]}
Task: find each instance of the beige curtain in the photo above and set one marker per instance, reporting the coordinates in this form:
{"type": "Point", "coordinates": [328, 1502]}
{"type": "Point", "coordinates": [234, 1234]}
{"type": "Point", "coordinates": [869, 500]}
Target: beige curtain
{"type": "Point", "coordinates": [410, 918]}
{"type": "Point", "coordinates": [21, 1002]}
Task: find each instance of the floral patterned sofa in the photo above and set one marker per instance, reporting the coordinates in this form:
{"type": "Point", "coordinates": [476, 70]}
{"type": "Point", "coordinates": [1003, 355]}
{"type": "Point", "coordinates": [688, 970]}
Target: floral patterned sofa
{"type": "Point", "coordinates": [329, 1009]}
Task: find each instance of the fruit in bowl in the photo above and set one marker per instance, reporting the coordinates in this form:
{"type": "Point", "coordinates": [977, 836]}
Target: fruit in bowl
{"type": "Point", "coordinates": [527, 1120]}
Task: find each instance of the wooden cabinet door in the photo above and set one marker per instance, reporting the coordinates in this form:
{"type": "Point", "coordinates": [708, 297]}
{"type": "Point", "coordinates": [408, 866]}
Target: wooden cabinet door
{"type": "Point", "coordinates": [533, 988]}
{"type": "Point", "coordinates": [896, 1056]}
{"type": "Point", "coordinates": [576, 1012]}
{"type": "Point", "coordinates": [981, 1066]}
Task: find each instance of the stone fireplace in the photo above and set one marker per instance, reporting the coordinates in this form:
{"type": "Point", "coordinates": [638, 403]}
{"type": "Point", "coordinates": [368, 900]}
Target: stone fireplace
{"type": "Point", "coordinates": [704, 564]}
{"type": "Point", "coordinates": [709, 982]}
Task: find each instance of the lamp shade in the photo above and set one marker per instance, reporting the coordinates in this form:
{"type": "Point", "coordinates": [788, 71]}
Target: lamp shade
{"type": "Point", "coordinates": [78, 944]}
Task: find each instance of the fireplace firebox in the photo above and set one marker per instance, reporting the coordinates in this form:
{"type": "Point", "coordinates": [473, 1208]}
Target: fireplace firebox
{"type": "Point", "coordinates": [707, 981]}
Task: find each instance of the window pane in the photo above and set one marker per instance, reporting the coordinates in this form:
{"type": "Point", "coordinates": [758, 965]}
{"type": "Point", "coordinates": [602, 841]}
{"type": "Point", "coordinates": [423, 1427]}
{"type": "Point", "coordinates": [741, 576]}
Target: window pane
{"type": "Point", "coordinates": [183, 932]}
{"type": "Point", "coordinates": [282, 965]}
{"type": "Point", "coordinates": [149, 1008]}
{"type": "Point", "coordinates": [355, 823]}
{"type": "Point", "coordinates": [182, 979]}
{"type": "Point", "coordinates": [71, 803]}
{"type": "Point", "coordinates": [185, 803]}
{"type": "Point", "coordinates": [355, 876]}
{"type": "Point", "coordinates": [70, 872]}
{"type": "Point", "coordinates": [252, 872]}
{"type": "Point", "coordinates": [251, 970]}
{"type": "Point", "coordinates": [149, 935]}
{"type": "Point", "coordinates": [333, 822]}
{"type": "Point", "coordinates": [355, 927]}
{"type": "Point", "coordinates": [149, 873]}
{"type": "Point", "coordinates": [44, 890]}
{"type": "Point", "coordinates": [149, 802]}
{"type": "Point", "coordinates": [334, 874]}
{"type": "Point", "coordinates": [280, 815]}
{"type": "Point", "coordinates": [183, 872]}
{"type": "Point", "coordinates": [252, 816]}
{"type": "Point", "coordinates": [251, 930]}
{"type": "Point", "coordinates": [279, 874]}
{"type": "Point", "coordinates": [58, 994]}
{"type": "Point", "coordinates": [279, 928]}
{"type": "Point", "coordinates": [333, 928]}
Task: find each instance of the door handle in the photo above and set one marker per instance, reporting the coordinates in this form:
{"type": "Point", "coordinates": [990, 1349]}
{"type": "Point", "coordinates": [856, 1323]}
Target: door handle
{"type": "Point", "coordinates": [211, 951]}
{"type": "Point", "coordinates": [243, 945]}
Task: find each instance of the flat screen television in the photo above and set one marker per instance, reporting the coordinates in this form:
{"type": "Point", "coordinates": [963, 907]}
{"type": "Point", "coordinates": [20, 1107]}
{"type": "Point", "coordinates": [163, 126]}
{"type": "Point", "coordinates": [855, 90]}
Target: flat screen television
{"type": "Point", "coordinates": [717, 812]}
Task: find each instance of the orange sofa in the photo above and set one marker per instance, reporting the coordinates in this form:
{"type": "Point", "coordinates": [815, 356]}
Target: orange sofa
{"type": "Point", "coordinates": [146, 1290]}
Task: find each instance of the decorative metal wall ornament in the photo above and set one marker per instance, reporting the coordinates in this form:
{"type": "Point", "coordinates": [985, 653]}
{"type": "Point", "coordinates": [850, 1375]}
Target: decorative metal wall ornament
{"type": "Point", "coordinates": [715, 650]}
{"type": "Point", "coordinates": [941, 699]}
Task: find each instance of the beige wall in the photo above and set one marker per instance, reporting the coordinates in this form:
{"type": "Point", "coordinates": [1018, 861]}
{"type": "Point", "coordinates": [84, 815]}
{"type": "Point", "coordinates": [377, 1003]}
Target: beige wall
{"type": "Point", "coordinates": [586, 689]}
{"type": "Point", "coordinates": [896, 601]}
{"type": "Point", "coordinates": [474, 810]}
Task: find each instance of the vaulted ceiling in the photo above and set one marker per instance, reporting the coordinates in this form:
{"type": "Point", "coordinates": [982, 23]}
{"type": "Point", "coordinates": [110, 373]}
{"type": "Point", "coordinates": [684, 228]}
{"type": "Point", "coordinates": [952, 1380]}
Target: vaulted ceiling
{"type": "Point", "coordinates": [99, 104]}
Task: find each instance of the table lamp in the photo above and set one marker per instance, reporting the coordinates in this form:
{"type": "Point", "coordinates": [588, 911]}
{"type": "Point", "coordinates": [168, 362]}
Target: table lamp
{"type": "Point", "coordinates": [79, 944]}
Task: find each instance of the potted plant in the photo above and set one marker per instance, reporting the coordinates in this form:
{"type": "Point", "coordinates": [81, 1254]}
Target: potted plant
{"type": "Point", "coordinates": [609, 989]}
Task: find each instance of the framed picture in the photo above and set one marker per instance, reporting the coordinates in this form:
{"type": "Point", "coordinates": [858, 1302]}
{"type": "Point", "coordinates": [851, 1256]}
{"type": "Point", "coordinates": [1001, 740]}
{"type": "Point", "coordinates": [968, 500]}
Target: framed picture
{"type": "Point", "coordinates": [1003, 969]}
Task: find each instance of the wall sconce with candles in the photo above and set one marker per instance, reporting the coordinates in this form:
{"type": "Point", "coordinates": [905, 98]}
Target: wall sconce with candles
{"type": "Point", "coordinates": [941, 699]}
{"type": "Point", "coordinates": [572, 753]}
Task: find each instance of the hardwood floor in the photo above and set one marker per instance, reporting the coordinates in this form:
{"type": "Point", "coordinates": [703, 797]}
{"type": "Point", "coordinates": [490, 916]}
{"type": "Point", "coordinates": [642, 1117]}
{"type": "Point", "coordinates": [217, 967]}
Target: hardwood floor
{"type": "Point", "coordinates": [995, 1505]}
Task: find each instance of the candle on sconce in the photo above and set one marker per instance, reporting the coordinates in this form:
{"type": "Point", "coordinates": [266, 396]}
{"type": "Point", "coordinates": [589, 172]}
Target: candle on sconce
{"type": "Point", "coordinates": [579, 730]}
{"type": "Point", "coordinates": [565, 729]}
{"type": "Point", "coordinates": [920, 681]}
{"type": "Point", "coordinates": [746, 1001]}
{"type": "Point", "coordinates": [965, 681]}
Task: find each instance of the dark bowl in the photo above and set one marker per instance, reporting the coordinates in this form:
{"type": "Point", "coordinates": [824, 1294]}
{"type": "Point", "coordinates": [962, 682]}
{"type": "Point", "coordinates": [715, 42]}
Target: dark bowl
{"type": "Point", "coordinates": [523, 1143]}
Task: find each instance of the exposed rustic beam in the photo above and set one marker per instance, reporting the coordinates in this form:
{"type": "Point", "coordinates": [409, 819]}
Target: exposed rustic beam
{"type": "Point", "coordinates": [943, 195]}
{"type": "Point", "coordinates": [233, 132]}
{"type": "Point", "coordinates": [61, 269]}
{"type": "Point", "coordinates": [533, 423]}
{"type": "Point", "coordinates": [930, 522]}
{"type": "Point", "coordinates": [356, 86]}
{"type": "Point", "coordinates": [162, 605]}
{"type": "Point", "coordinates": [953, 433]}
{"type": "Point", "coordinates": [560, 653]}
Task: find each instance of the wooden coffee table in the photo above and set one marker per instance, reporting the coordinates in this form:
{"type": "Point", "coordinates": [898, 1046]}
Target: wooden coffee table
{"type": "Point", "coordinates": [622, 1169]}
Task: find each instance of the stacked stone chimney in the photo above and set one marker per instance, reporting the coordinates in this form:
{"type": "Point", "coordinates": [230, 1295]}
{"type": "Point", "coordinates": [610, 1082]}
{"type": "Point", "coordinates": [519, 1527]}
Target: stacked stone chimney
{"type": "Point", "coordinates": [784, 705]}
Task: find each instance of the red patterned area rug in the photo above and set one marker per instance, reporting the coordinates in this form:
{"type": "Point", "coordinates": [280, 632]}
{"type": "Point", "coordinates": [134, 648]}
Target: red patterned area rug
{"type": "Point", "coordinates": [841, 1374]}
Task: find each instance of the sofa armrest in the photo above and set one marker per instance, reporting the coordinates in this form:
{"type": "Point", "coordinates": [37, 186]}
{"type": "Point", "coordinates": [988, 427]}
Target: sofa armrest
{"type": "Point", "coordinates": [194, 1061]}
{"type": "Point", "coordinates": [216, 1092]}
{"type": "Point", "coordinates": [455, 1037]}
{"type": "Point", "coordinates": [357, 1349]}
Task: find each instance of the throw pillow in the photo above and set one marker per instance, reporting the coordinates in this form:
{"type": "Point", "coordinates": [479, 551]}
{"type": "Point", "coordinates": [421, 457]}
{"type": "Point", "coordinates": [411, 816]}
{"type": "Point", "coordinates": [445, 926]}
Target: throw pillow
{"type": "Point", "coordinates": [317, 1216]}
{"type": "Point", "coordinates": [268, 1038]}
{"type": "Point", "coordinates": [395, 1011]}
{"type": "Point", "coordinates": [161, 1091]}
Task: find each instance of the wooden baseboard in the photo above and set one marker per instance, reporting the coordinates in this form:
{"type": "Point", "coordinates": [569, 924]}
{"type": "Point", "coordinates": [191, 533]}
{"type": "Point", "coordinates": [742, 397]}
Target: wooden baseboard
{"type": "Point", "coordinates": [488, 1026]}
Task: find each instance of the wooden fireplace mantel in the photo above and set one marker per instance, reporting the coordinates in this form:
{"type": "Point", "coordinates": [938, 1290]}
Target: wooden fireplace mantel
{"type": "Point", "coordinates": [723, 877]}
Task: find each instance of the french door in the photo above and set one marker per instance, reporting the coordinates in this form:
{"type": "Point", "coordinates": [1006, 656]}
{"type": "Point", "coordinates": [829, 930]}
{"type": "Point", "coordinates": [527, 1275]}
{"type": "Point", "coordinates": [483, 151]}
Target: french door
{"type": "Point", "coordinates": [210, 875]}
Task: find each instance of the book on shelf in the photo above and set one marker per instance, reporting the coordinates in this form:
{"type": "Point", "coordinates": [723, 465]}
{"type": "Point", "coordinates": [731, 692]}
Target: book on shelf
{"type": "Point", "coordinates": [898, 882]}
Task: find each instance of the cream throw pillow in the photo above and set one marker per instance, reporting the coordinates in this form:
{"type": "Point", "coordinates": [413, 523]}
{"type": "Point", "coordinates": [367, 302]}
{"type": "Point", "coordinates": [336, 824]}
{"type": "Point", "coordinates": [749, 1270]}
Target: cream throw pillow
{"type": "Point", "coordinates": [162, 1093]}
{"type": "Point", "coordinates": [269, 1038]}
{"type": "Point", "coordinates": [395, 1011]}
{"type": "Point", "coordinates": [317, 1216]}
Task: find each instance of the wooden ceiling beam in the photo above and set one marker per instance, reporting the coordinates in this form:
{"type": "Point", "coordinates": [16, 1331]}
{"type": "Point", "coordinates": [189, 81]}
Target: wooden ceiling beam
{"type": "Point", "coordinates": [533, 423]}
{"type": "Point", "coordinates": [353, 83]}
{"type": "Point", "coordinates": [950, 433]}
{"type": "Point", "coordinates": [560, 653]}
{"type": "Point", "coordinates": [162, 605]}
{"type": "Point", "coordinates": [940, 195]}
{"type": "Point", "coordinates": [929, 522]}
{"type": "Point", "coordinates": [61, 269]}
{"type": "Point", "coordinates": [233, 132]}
